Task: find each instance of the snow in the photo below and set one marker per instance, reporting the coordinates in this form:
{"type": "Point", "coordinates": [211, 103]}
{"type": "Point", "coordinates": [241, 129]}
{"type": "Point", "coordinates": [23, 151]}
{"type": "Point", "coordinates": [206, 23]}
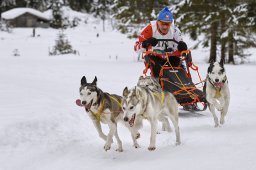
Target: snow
{"type": "Point", "coordinates": [67, 13]}
{"type": "Point", "coordinates": [14, 13]}
{"type": "Point", "coordinates": [41, 128]}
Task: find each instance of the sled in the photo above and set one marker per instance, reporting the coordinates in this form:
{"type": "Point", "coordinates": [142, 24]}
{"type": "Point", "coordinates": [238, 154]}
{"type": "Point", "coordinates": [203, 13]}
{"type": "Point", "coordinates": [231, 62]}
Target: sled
{"type": "Point", "coordinates": [173, 71]}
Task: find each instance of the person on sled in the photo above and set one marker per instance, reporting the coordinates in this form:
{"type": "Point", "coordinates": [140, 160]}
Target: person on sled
{"type": "Point", "coordinates": [162, 28]}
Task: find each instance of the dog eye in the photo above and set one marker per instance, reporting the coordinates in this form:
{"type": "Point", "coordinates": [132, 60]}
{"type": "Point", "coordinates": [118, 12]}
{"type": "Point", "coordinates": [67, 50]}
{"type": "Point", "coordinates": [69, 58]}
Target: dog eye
{"type": "Point", "coordinates": [131, 107]}
{"type": "Point", "coordinates": [89, 93]}
{"type": "Point", "coordinates": [123, 108]}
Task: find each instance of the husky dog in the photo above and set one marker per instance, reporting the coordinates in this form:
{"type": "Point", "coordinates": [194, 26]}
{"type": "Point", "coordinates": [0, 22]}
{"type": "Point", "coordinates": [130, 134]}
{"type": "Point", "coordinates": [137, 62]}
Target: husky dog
{"type": "Point", "coordinates": [102, 108]}
{"type": "Point", "coordinates": [149, 82]}
{"type": "Point", "coordinates": [152, 84]}
{"type": "Point", "coordinates": [217, 91]}
{"type": "Point", "coordinates": [141, 103]}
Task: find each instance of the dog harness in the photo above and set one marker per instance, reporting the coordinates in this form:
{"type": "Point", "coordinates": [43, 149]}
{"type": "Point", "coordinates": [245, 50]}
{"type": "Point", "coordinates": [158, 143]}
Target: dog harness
{"type": "Point", "coordinates": [100, 110]}
{"type": "Point", "coordinates": [119, 103]}
{"type": "Point", "coordinates": [217, 93]}
{"type": "Point", "coordinates": [160, 97]}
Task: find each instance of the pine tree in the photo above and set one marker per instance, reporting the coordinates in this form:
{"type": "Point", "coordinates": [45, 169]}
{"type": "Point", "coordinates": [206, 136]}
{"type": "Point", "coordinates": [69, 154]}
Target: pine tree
{"type": "Point", "coordinates": [57, 21]}
{"type": "Point", "coordinates": [102, 8]}
{"type": "Point", "coordinates": [62, 45]}
{"type": "Point", "coordinates": [229, 24]}
{"type": "Point", "coordinates": [6, 5]}
{"type": "Point", "coordinates": [81, 5]}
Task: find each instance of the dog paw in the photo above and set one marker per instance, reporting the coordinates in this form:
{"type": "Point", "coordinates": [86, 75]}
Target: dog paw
{"type": "Point", "coordinates": [107, 147]}
{"type": "Point", "coordinates": [178, 143]}
{"type": "Point", "coordinates": [119, 150]}
{"type": "Point", "coordinates": [151, 148]}
{"type": "Point", "coordinates": [136, 145]}
{"type": "Point", "coordinates": [222, 122]}
{"type": "Point", "coordinates": [137, 135]}
{"type": "Point", "coordinates": [216, 125]}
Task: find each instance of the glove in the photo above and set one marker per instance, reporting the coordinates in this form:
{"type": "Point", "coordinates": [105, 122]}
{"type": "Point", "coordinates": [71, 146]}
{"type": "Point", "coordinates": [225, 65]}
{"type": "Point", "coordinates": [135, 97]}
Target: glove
{"type": "Point", "coordinates": [182, 46]}
{"type": "Point", "coordinates": [151, 41]}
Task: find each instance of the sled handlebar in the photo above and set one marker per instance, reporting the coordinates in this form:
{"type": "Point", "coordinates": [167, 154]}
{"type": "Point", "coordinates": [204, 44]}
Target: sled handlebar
{"type": "Point", "coordinates": [176, 53]}
{"type": "Point", "coordinates": [167, 54]}
{"type": "Point", "coordinates": [165, 40]}
{"type": "Point", "coordinates": [173, 40]}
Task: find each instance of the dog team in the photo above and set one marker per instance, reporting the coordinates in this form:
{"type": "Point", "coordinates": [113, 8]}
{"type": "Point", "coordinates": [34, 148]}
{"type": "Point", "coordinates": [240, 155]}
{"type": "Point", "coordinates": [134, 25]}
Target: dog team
{"type": "Point", "coordinates": [147, 101]}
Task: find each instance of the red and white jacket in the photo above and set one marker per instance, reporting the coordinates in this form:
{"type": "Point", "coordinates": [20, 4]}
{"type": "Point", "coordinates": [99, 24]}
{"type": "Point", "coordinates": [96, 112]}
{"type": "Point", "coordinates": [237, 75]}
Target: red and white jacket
{"type": "Point", "coordinates": [152, 30]}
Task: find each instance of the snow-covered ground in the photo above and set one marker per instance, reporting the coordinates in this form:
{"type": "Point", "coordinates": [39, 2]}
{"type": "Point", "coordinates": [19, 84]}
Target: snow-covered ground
{"type": "Point", "coordinates": [41, 128]}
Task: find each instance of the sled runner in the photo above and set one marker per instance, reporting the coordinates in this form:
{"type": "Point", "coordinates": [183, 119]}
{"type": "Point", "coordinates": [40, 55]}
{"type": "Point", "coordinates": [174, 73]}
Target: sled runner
{"type": "Point", "coordinates": [172, 69]}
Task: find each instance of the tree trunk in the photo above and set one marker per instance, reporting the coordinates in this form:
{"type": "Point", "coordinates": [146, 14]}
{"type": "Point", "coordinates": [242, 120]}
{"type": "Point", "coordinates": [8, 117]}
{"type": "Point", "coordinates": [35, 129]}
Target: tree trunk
{"type": "Point", "coordinates": [223, 50]}
{"type": "Point", "coordinates": [103, 24]}
{"type": "Point", "coordinates": [231, 47]}
{"type": "Point", "coordinates": [223, 38]}
{"type": "Point", "coordinates": [213, 48]}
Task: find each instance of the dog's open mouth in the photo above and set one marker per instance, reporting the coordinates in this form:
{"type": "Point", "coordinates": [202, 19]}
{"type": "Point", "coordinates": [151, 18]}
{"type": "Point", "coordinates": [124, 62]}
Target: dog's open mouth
{"type": "Point", "coordinates": [219, 84]}
{"type": "Point", "coordinates": [88, 106]}
{"type": "Point", "coordinates": [131, 121]}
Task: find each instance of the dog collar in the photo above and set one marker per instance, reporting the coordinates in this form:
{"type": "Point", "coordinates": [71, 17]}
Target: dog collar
{"type": "Point", "coordinates": [217, 89]}
{"type": "Point", "coordinates": [210, 80]}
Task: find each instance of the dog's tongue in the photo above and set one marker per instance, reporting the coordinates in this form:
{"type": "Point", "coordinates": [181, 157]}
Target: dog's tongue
{"type": "Point", "coordinates": [219, 84]}
{"type": "Point", "coordinates": [78, 103]}
{"type": "Point", "coordinates": [131, 122]}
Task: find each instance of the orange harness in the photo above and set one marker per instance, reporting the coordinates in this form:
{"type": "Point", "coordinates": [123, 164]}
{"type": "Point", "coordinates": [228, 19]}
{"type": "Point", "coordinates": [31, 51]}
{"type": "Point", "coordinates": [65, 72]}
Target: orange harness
{"type": "Point", "coordinates": [182, 87]}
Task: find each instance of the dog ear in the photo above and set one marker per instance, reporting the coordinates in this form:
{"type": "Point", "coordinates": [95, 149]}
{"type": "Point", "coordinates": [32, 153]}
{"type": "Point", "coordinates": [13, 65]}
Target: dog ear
{"type": "Point", "coordinates": [94, 81]}
{"type": "Point", "coordinates": [137, 91]}
{"type": "Point", "coordinates": [83, 81]}
{"type": "Point", "coordinates": [125, 92]}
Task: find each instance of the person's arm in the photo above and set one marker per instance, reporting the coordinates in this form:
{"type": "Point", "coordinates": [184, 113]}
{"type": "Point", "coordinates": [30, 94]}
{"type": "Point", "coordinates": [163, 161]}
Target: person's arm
{"type": "Point", "coordinates": [182, 46]}
{"type": "Point", "coordinates": [145, 34]}
{"type": "Point", "coordinates": [177, 34]}
{"type": "Point", "coordinates": [178, 37]}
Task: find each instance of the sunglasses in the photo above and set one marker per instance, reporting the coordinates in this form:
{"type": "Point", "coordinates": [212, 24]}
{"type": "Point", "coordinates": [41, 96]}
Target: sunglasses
{"type": "Point", "coordinates": [165, 23]}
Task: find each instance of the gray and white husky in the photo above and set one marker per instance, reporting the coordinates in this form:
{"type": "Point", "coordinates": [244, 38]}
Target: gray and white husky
{"type": "Point", "coordinates": [152, 84]}
{"type": "Point", "coordinates": [141, 103]}
{"type": "Point", "coordinates": [102, 107]}
{"type": "Point", "coordinates": [217, 91]}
